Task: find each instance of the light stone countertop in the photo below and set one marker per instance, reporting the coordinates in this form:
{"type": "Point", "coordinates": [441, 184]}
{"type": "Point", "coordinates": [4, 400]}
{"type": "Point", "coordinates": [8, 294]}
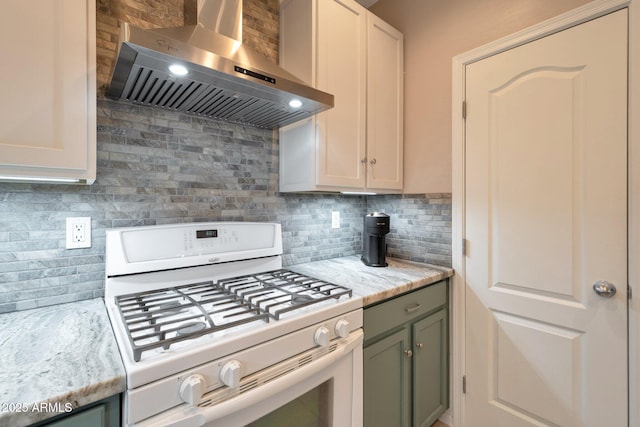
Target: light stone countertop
{"type": "Point", "coordinates": [56, 358]}
{"type": "Point", "coordinates": [67, 354]}
{"type": "Point", "coordinates": [374, 284]}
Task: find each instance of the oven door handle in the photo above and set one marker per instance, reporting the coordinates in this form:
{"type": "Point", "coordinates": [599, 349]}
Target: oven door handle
{"type": "Point", "coordinates": [250, 398]}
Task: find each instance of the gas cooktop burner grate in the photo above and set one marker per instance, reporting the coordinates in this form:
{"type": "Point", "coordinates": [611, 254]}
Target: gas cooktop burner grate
{"type": "Point", "coordinates": [281, 291]}
{"type": "Point", "coordinates": [160, 318]}
{"type": "Point", "coordinates": [163, 317]}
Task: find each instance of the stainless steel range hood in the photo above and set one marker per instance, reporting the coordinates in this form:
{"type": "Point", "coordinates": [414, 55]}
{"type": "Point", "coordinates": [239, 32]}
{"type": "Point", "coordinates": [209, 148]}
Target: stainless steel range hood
{"type": "Point", "coordinates": [225, 80]}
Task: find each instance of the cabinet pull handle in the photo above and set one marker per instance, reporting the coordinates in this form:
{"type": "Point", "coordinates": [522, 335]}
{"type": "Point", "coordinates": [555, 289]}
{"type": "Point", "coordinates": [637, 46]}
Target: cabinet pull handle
{"type": "Point", "coordinates": [409, 353]}
{"type": "Point", "coordinates": [413, 308]}
{"type": "Point", "coordinates": [364, 160]}
{"type": "Point", "coordinates": [373, 162]}
{"type": "Point", "coordinates": [420, 345]}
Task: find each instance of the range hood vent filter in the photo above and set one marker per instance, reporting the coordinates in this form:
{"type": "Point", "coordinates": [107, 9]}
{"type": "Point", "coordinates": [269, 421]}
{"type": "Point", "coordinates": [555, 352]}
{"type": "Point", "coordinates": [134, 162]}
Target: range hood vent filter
{"type": "Point", "coordinates": [225, 80]}
{"type": "Point", "coordinates": [158, 89]}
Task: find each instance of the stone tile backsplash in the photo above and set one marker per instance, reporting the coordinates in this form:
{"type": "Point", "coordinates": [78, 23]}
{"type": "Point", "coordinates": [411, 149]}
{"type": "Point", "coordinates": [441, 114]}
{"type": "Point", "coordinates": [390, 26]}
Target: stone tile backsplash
{"type": "Point", "coordinates": [158, 167]}
{"type": "Point", "coordinates": [420, 226]}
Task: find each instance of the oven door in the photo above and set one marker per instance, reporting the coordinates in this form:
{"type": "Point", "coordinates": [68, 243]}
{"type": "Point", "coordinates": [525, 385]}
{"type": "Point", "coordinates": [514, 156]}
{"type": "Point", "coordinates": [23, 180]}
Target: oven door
{"type": "Point", "coordinates": [326, 392]}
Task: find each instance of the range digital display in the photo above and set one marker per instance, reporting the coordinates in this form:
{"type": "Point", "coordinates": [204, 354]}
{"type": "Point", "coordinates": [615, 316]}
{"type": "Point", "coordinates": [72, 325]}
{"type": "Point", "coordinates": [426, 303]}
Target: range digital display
{"type": "Point", "coordinates": [206, 234]}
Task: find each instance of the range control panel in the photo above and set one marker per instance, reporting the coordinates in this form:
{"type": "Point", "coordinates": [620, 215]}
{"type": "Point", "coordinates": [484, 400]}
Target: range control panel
{"type": "Point", "coordinates": [161, 247]}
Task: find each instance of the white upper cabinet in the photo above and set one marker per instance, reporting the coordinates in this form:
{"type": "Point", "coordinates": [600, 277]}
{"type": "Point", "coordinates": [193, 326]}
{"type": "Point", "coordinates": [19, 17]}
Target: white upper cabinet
{"type": "Point", "coordinates": [48, 86]}
{"type": "Point", "coordinates": [385, 89]}
{"type": "Point", "coordinates": [341, 48]}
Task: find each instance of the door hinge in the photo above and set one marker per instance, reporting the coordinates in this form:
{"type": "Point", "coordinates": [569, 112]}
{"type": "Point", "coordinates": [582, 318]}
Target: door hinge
{"type": "Point", "coordinates": [464, 384]}
{"type": "Point", "coordinates": [464, 109]}
{"type": "Point", "coordinates": [464, 247]}
{"type": "Point", "coordinates": [629, 292]}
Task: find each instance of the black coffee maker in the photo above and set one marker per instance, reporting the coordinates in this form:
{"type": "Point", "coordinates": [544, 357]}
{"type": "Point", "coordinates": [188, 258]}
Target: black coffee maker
{"type": "Point", "coordinates": [374, 248]}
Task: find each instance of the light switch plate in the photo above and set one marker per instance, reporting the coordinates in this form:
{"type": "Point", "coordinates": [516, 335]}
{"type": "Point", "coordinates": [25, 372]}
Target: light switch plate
{"type": "Point", "coordinates": [335, 219]}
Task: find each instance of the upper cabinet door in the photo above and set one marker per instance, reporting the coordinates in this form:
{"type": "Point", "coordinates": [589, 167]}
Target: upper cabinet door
{"type": "Point", "coordinates": [385, 100]}
{"type": "Point", "coordinates": [341, 70]}
{"type": "Point", "coordinates": [339, 47]}
{"type": "Point", "coordinates": [48, 86]}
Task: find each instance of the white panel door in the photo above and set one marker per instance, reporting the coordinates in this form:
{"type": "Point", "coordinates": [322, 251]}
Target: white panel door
{"type": "Point", "coordinates": [546, 218]}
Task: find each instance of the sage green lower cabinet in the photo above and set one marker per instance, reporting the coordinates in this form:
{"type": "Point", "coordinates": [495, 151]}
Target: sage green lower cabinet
{"type": "Point", "coordinates": [430, 368]}
{"type": "Point", "coordinates": [406, 368]}
{"type": "Point", "coordinates": [386, 375]}
{"type": "Point", "coordinates": [104, 413]}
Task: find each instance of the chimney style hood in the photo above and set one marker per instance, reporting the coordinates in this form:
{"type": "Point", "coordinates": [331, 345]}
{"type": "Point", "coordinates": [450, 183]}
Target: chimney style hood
{"type": "Point", "coordinates": [213, 75]}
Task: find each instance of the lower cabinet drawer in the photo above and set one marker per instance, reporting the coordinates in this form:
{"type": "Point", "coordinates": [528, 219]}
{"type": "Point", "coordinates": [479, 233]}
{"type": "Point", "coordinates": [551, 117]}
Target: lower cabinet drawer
{"type": "Point", "coordinates": [391, 313]}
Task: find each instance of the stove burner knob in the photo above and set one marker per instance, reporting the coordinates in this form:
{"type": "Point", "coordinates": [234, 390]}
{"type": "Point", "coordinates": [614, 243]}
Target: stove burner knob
{"type": "Point", "coordinates": [321, 336]}
{"type": "Point", "coordinates": [342, 328]}
{"type": "Point", "coordinates": [230, 373]}
{"type": "Point", "coordinates": [192, 389]}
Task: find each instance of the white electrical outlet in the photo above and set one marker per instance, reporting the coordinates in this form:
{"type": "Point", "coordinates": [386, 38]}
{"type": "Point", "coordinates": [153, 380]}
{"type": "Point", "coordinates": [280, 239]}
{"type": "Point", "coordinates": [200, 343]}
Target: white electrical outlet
{"type": "Point", "coordinates": [335, 219]}
{"type": "Point", "coordinates": [79, 232]}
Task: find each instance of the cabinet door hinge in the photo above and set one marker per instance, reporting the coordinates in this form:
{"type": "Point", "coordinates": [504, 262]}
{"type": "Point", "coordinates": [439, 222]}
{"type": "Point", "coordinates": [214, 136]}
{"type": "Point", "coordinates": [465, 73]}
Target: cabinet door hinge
{"type": "Point", "coordinates": [464, 109]}
{"type": "Point", "coordinates": [464, 384]}
{"type": "Point", "coordinates": [464, 247]}
{"type": "Point", "coordinates": [629, 292]}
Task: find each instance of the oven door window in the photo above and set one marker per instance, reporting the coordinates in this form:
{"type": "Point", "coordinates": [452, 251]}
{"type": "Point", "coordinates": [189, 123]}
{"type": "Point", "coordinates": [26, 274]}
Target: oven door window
{"type": "Point", "coordinates": [312, 409]}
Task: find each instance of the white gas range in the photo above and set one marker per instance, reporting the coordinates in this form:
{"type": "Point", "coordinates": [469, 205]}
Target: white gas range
{"type": "Point", "coordinates": [213, 331]}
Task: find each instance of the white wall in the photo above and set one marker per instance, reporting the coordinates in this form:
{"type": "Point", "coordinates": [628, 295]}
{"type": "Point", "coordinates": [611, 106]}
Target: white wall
{"type": "Point", "coordinates": [435, 31]}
